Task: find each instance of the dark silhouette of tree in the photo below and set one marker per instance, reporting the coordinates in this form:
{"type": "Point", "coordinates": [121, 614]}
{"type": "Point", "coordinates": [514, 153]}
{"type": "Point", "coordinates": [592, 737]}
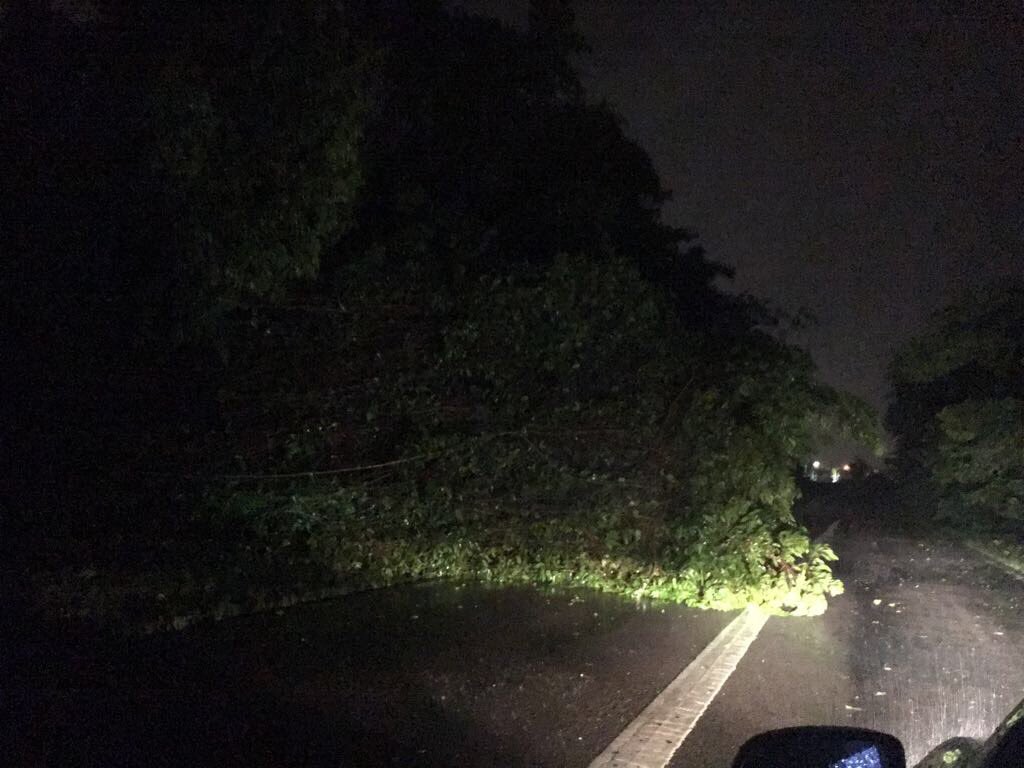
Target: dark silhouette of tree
{"type": "Point", "coordinates": [957, 407]}
{"type": "Point", "coordinates": [481, 154]}
{"type": "Point", "coordinates": [387, 264]}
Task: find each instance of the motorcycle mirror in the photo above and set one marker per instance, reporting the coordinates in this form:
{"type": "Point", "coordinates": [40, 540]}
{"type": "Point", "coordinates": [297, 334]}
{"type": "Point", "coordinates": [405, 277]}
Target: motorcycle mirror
{"type": "Point", "coordinates": [821, 747]}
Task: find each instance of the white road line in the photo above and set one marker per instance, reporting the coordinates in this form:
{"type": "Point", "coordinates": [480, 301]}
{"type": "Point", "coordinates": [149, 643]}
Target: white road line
{"type": "Point", "coordinates": [657, 732]}
{"type": "Point", "coordinates": [654, 736]}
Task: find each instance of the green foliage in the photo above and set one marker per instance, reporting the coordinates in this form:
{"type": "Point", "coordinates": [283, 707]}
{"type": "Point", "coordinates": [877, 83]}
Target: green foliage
{"type": "Point", "coordinates": [982, 334]}
{"type": "Point", "coordinates": [504, 165]}
{"type": "Point", "coordinates": [558, 339]}
{"type": "Point", "coordinates": [957, 409]}
{"type": "Point", "coordinates": [257, 126]}
{"type": "Point", "coordinates": [375, 540]}
{"type": "Point", "coordinates": [462, 341]}
{"type": "Point", "coordinates": [567, 428]}
{"type": "Point", "coordinates": [977, 460]}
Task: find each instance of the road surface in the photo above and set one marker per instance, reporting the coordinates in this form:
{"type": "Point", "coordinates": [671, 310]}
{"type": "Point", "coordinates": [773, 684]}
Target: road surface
{"type": "Point", "coordinates": [927, 643]}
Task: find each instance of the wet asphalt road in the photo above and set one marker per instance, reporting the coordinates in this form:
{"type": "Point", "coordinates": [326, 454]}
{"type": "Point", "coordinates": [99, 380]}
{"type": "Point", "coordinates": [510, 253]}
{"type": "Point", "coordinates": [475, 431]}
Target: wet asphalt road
{"type": "Point", "coordinates": [927, 643]}
{"type": "Point", "coordinates": [429, 675]}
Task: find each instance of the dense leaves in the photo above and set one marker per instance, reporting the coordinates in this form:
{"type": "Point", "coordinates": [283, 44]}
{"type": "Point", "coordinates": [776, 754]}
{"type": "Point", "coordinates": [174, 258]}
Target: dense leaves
{"type": "Point", "coordinates": [482, 155]}
{"type": "Point", "coordinates": [562, 425]}
{"type": "Point", "coordinates": [958, 409]}
{"type": "Point", "coordinates": [381, 296]}
{"type": "Point", "coordinates": [978, 458]}
{"type": "Point", "coordinates": [257, 127]}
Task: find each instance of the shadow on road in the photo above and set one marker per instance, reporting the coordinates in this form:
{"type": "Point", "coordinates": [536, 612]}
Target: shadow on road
{"type": "Point", "coordinates": [164, 709]}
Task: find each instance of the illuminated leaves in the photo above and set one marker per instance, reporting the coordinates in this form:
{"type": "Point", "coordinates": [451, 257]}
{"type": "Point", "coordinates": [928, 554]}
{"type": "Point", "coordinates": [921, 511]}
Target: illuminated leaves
{"type": "Point", "coordinates": [575, 433]}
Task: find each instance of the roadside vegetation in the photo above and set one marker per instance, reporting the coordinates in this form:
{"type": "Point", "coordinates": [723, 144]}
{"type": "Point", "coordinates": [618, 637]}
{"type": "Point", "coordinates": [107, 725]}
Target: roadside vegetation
{"type": "Point", "coordinates": [340, 297]}
{"type": "Point", "coordinates": [958, 414]}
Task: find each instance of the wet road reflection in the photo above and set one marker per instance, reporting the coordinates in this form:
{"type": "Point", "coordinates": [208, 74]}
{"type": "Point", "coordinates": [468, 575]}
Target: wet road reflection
{"type": "Point", "coordinates": [927, 644]}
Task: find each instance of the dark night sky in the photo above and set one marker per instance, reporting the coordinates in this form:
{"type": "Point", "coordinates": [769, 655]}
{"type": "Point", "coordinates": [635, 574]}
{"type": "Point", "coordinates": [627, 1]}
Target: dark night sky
{"type": "Point", "coordinates": [863, 161]}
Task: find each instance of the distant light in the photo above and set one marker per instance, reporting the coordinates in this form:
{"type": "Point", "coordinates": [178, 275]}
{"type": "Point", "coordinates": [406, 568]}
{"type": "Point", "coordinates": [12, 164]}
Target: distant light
{"type": "Point", "coordinates": [816, 464]}
{"type": "Point", "coordinates": [846, 467]}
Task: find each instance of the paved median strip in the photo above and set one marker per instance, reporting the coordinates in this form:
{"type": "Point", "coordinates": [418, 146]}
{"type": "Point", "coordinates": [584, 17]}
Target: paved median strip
{"type": "Point", "coordinates": [654, 736]}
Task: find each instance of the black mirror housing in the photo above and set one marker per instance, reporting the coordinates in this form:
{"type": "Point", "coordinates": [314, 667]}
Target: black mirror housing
{"type": "Point", "coordinates": [821, 747]}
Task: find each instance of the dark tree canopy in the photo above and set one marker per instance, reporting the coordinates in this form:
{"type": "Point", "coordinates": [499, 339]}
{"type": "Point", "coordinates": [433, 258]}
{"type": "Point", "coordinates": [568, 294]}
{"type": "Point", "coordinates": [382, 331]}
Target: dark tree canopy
{"type": "Point", "coordinates": [481, 151]}
{"type": "Point", "coordinates": [198, 159]}
{"type": "Point", "coordinates": [262, 253]}
{"type": "Point", "coordinates": [958, 407]}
